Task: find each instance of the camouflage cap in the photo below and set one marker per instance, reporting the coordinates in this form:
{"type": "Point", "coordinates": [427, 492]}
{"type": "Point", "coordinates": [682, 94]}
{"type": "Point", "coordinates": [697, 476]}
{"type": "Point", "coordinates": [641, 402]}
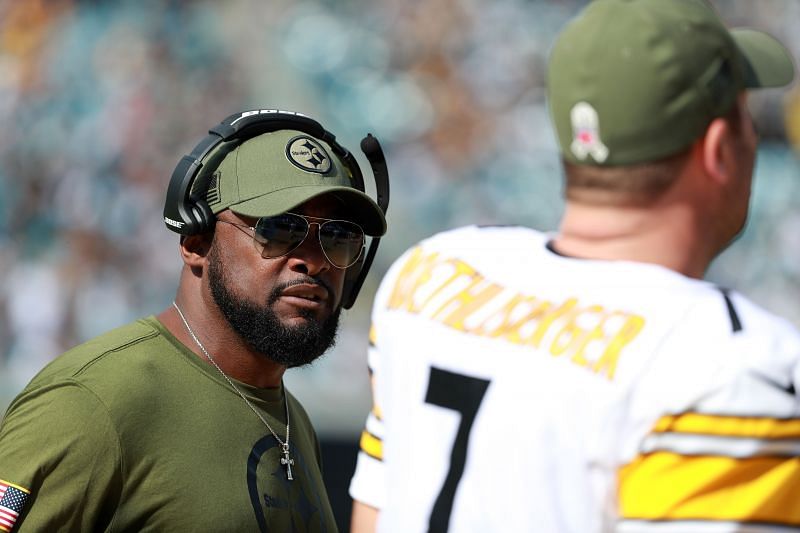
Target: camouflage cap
{"type": "Point", "coordinates": [636, 80]}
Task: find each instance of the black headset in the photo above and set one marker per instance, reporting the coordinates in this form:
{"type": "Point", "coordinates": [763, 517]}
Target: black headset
{"type": "Point", "coordinates": [188, 213]}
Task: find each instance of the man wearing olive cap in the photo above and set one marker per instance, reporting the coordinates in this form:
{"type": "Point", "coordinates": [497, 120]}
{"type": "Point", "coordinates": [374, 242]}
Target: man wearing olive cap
{"type": "Point", "coordinates": [589, 380]}
{"type": "Point", "coordinates": [180, 422]}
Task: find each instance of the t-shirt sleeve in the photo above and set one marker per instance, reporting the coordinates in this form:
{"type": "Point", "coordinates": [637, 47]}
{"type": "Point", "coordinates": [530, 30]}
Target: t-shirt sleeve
{"type": "Point", "coordinates": [60, 459]}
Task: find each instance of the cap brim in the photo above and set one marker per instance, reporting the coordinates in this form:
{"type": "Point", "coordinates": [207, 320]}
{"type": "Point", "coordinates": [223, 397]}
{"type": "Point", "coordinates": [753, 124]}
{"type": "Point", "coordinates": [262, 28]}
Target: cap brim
{"type": "Point", "coordinates": [767, 62]}
{"type": "Point", "coordinates": [365, 211]}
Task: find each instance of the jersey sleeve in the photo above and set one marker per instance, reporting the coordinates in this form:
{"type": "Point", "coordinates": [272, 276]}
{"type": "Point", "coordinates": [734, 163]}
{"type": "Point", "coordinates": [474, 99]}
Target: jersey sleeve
{"type": "Point", "coordinates": [729, 456]}
{"type": "Point", "coordinates": [367, 485]}
{"type": "Point", "coordinates": [60, 462]}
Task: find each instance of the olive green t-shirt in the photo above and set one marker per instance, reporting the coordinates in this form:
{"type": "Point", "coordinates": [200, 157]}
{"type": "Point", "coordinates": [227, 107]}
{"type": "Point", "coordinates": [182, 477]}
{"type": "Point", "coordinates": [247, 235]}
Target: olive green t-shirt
{"type": "Point", "coordinates": [133, 432]}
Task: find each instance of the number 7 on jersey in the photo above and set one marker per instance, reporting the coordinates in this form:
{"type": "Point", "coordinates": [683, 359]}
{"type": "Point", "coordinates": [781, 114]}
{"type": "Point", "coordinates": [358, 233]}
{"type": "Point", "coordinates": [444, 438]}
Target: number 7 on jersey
{"type": "Point", "coordinates": [463, 394]}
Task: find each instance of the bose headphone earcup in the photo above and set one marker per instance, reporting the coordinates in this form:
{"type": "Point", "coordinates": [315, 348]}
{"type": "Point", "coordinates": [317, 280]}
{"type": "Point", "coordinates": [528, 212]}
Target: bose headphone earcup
{"type": "Point", "coordinates": [203, 219]}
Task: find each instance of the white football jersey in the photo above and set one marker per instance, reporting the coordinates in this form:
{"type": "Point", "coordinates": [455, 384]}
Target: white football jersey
{"type": "Point", "coordinates": [516, 389]}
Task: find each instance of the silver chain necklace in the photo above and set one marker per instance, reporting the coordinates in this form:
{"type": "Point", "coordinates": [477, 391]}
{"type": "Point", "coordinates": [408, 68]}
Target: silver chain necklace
{"type": "Point", "coordinates": [286, 459]}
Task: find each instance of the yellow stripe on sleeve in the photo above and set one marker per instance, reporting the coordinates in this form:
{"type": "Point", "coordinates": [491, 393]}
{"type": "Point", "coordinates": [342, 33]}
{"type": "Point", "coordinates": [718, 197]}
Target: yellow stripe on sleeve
{"type": "Point", "coordinates": [669, 486]}
{"type": "Point", "coordinates": [377, 412]}
{"type": "Point", "coordinates": [730, 426]}
{"type": "Point", "coordinates": [371, 445]}
{"type": "Point", "coordinates": [373, 335]}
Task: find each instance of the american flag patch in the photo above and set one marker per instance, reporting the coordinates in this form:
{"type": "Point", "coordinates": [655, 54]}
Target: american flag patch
{"type": "Point", "coordinates": [12, 501]}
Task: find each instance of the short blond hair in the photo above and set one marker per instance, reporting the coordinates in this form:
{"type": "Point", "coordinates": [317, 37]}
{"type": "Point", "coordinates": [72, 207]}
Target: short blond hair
{"type": "Point", "coordinates": [623, 185]}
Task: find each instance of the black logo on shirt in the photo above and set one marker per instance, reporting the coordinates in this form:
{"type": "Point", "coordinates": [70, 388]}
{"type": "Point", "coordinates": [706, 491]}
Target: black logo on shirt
{"type": "Point", "coordinates": [300, 502]}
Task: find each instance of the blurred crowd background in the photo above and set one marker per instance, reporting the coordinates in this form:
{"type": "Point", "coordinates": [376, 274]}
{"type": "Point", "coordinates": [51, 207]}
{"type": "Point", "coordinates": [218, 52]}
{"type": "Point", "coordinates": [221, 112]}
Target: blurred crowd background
{"type": "Point", "coordinates": [99, 100]}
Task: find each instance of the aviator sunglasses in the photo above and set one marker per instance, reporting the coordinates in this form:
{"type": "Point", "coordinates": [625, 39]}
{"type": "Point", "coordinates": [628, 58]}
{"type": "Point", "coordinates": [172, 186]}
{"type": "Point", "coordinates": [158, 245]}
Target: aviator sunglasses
{"type": "Point", "coordinates": [341, 240]}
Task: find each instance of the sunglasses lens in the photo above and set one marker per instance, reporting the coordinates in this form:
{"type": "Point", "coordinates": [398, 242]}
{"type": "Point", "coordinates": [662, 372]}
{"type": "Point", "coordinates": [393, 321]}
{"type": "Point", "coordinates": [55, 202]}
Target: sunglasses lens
{"type": "Point", "coordinates": [342, 242]}
{"type": "Point", "coordinates": [280, 234]}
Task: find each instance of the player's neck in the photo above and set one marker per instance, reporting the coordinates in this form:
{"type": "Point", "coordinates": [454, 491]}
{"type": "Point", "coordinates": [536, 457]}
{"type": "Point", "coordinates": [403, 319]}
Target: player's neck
{"type": "Point", "coordinates": [664, 235]}
{"type": "Point", "coordinates": [231, 353]}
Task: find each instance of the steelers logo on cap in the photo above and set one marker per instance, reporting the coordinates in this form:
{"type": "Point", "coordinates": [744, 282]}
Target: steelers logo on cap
{"type": "Point", "coordinates": [308, 154]}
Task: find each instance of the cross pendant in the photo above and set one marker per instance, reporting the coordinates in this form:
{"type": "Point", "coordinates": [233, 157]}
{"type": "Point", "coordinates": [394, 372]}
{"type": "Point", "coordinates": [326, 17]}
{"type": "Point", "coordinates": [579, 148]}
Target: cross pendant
{"type": "Point", "coordinates": [286, 460]}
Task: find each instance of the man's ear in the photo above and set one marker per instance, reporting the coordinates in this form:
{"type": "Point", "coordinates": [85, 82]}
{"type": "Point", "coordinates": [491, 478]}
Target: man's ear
{"type": "Point", "coordinates": [194, 249]}
{"type": "Point", "coordinates": [718, 151]}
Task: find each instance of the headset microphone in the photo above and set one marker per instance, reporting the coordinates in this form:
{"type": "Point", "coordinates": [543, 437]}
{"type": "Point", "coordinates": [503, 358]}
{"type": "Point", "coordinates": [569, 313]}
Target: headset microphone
{"type": "Point", "coordinates": [380, 172]}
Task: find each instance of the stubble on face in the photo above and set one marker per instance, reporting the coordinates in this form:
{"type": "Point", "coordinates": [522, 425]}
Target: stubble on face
{"type": "Point", "coordinates": [260, 326]}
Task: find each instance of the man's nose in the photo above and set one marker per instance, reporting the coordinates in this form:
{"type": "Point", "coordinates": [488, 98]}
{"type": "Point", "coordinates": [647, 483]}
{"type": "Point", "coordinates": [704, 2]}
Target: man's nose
{"type": "Point", "coordinates": [309, 256]}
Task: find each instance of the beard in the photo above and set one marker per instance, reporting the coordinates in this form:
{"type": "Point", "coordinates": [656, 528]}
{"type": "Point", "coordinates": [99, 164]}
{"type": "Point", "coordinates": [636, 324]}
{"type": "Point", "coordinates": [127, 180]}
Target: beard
{"type": "Point", "coordinates": [261, 328]}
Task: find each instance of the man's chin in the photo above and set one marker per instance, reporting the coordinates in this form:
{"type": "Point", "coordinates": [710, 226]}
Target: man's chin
{"type": "Point", "coordinates": [301, 322]}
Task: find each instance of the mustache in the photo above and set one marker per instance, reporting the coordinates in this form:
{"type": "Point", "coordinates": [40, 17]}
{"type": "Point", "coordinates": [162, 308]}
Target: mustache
{"type": "Point", "coordinates": [304, 280]}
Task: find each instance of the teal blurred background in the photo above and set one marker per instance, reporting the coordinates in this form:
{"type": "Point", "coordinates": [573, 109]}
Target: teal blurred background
{"type": "Point", "coordinates": [99, 100]}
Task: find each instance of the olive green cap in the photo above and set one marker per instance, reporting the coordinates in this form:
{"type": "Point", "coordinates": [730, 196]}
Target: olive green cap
{"type": "Point", "coordinates": [277, 171]}
{"type": "Point", "coordinates": [631, 81]}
